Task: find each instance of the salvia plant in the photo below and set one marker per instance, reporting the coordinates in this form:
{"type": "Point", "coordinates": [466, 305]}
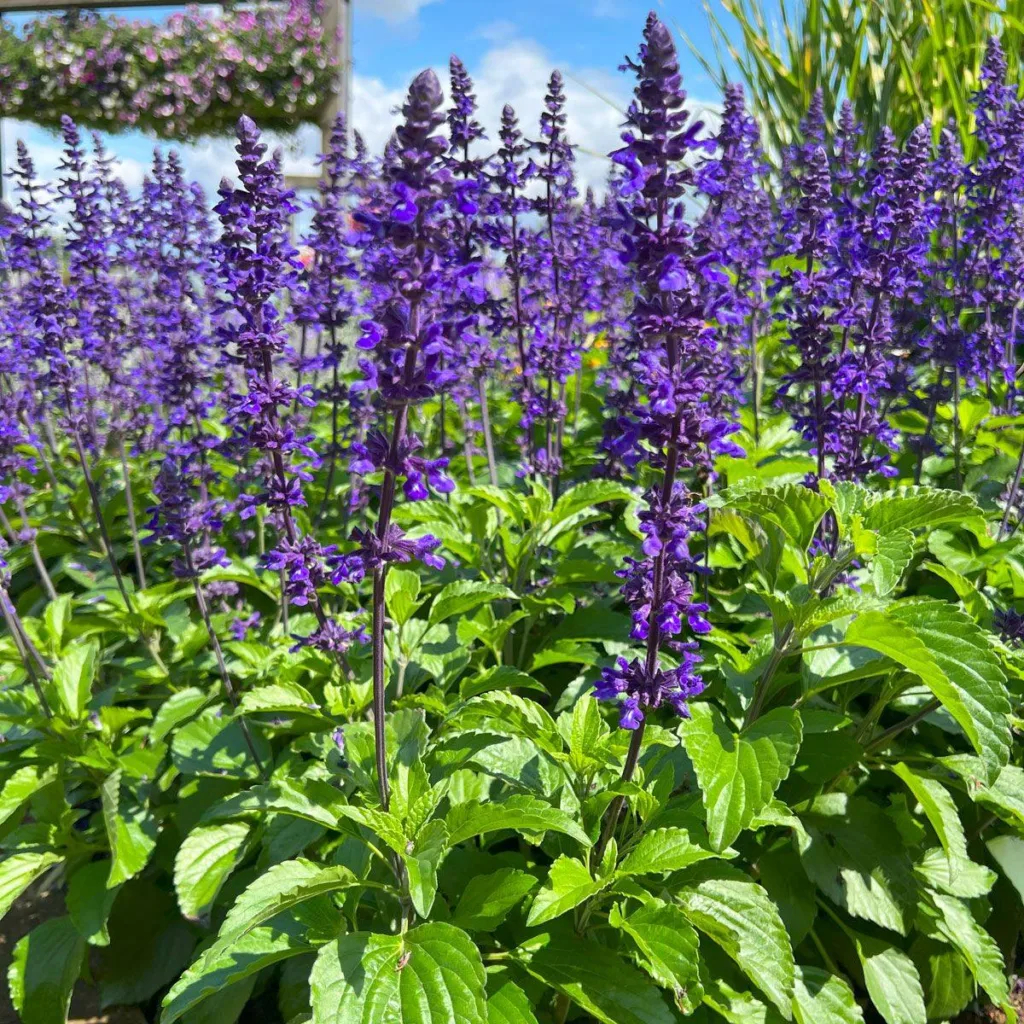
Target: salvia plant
{"type": "Point", "coordinates": [516, 602]}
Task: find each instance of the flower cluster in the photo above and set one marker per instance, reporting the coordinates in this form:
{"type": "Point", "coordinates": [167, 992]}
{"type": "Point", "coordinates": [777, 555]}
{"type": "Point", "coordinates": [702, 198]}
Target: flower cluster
{"type": "Point", "coordinates": [190, 76]}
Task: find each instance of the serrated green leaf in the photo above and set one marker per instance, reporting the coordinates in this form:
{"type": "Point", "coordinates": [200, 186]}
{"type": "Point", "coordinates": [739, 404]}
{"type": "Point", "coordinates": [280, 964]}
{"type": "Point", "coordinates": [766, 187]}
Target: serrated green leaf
{"type": "Point", "coordinates": [949, 652]}
{"type": "Point", "coordinates": [892, 981]}
{"type": "Point", "coordinates": [73, 677]}
{"type": "Point", "coordinates": [227, 962]}
{"type": "Point", "coordinates": [738, 774]}
{"type": "Point", "coordinates": [852, 851]}
{"type": "Point", "coordinates": [431, 975]}
{"type": "Point", "coordinates": [282, 696]}
{"type": "Point", "coordinates": [823, 998]}
{"type": "Point", "coordinates": [283, 887]}
{"type": "Point", "coordinates": [464, 595]}
{"type": "Point", "coordinates": [177, 708]}
{"type": "Point", "coordinates": [736, 913]}
{"type": "Point", "coordinates": [43, 971]}
{"type": "Point", "coordinates": [894, 551]}
{"type": "Point", "coordinates": [204, 860]}
{"type": "Point", "coordinates": [669, 947]}
{"type": "Point", "coordinates": [509, 1004]}
{"type": "Point", "coordinates": [666, 849]}
{"type": "Point", "coordinates": [1004, 797]}
{"type": "Point", "coordinates": [423, 856]}
{"type": "Point", "coordinates": [487, 899]}
{"type": "Point", "coordinates": [18, 871]}
{"type": "Point", "coordinates": [941, 812]}
{"type": "Point", "coordinates": [913, 508]}
{"type": "Point", "coordinates": [793, 509]}
{"type": "Point", "coordinates": [1008, 852]}
{"type": "Point", "coordinates": [519, 813]}
{"type": "Point", "coordinates": [595, 978]}
{"type": "Point", "coordinates": [569, 883]}
{"type": "Point", "coordinates": [131, 830]}
{"type": "Point", "coordinates": [401, 591]}
{"type": "Point", "coordinates": [954, 921]}
{"type": "Point", "coordinates": [587, 495]}
{"type": "Point", "coordinates": [313, 799]}
{"type": "Point", "coordinates": [89, 901]}
{"type": "Point", "coordinates": [212, 745]}
{"type": "Point", "coordinates": [24, 783]}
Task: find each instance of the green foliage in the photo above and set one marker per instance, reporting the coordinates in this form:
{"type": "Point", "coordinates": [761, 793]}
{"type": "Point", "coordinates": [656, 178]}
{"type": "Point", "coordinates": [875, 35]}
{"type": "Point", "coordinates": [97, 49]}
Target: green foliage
{"type": "Point", "coordinates": [835, 834]}
{"type": "Point", "coordinates": [901, 64]}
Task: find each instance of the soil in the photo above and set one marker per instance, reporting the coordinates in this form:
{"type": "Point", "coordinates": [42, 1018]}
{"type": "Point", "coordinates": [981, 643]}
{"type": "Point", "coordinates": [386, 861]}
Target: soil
{"type": "Point", "coordinates": [993, 1016]}
{"type": "Point", "coordinates": [33, 908]}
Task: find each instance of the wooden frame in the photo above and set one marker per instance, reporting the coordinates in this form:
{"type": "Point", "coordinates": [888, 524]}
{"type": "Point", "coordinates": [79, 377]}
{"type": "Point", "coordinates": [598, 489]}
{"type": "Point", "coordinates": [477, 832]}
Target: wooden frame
{"type": "Point", "coordinates": [337, 15]}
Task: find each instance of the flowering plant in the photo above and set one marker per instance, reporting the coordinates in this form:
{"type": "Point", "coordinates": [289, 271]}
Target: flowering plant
{"type": "Point", "coordinates": [189, 76]}
{"type": "Point", "coordinates": [518, 605]}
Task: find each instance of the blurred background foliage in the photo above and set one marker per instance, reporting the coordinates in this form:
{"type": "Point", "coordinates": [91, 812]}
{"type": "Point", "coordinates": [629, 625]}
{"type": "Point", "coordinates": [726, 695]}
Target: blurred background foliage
{"type": "Point", "coordinates": [900, 62]}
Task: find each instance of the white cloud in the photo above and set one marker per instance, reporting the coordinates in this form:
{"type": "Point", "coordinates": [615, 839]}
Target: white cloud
{"type": "Point", "coordinates": [515, 71]}
{"type": "Point", "coordinates": [395, 10]}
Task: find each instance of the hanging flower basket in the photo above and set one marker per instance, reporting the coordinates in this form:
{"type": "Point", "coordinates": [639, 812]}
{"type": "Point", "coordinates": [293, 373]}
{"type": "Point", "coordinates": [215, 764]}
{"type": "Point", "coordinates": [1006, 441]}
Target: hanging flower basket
{"type": "Point", "coordinates": [189, 76]}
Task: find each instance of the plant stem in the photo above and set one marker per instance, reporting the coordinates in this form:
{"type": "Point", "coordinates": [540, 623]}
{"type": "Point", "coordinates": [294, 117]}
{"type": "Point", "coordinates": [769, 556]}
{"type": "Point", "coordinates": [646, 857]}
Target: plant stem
{"type": "Point", "coordinates": [611, 816]}
{"type": "Point", "coordinates": [485, 419]}
{"type": "Point", "coordinates": [37, 558]}
{"type": "Point", "coordinates": [764, 683]}
{"type": "Point", "coordinates": [225, 679]}
{"type": "Point", "coordinates": [129, 500]}
{"type": "Point", "coordinates": [908, 723]}
{"type": "Point", "coordinates": [24, 646]}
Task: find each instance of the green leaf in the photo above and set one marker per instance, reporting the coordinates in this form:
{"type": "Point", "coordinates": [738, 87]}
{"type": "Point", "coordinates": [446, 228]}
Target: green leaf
{"type": "Point", "coordinates": [595, 978]}
{"type": "Point", "coordinates": [568, 884]}
{"type": "Point", "coordinates": [941, 812]}
{"type": "Point", "coordinates": [669, 947]}
{"type": "Point", "coordinates": [666, 849]}
{"type": "Point", "coordinates": [464, 595]}
{"type": "Point", "coordinates": [431, 975]}
{"type": "Point", "coordinates": [892, 981]}
{"type": "Point", "coordinates": [89, 901]}
{"type": "Point", "coordinates": [24, 783]}
{"type": "Point", "coordinates": [587, 495]}
{"type": "Point", "coordinates": [284, 886]}
{"type": "Point", "coordinates": [73, 677]}
{"type": "Point", "coordinates": [509, 1005]}
{"type": "Point", "coordinates": [894, 551]}
{"type": "Point", "coordinates": [1008, 853]}
{"type": "Point", "coordinates": [204, 860]}
{"type": "Point", "coordinates": [177, 708]}
{"type": "Point", "coordinates": [520, 813]}
{"type": "Point", "coordinates": [401, 590]}
{"type": "Point", "coordinates": [282, 696]}
{"type": "Point", "coordinates": [313, 799]}
{"type": "Point", "coordinates": [794, 509]}
{"type": "Point", "coordinates": [131, 830]}
{"type": "Point", "coordinates": [57, 618]}
{"type": "Point", "coordinates": [487, 899]}
{"type": "Point", "coordinates": [738, 775]}
{"type": "Point", "coordinates": [914, 508]}
{"type": "Point", "coordinates": [956, 924]}
{"type": "Point", "coordinates": [853, 853]}
{"type": "Point", "coordinates": [422, 857]}
{"type": "Point", "coordinates": [736, 913]}
{"type": "Point", "coordinates": [954, 660]}
{"type": "Point", "coordinates": [1004, 797]}
{"type": "Point", "coordinates": [823, 998]}
{"type": "Point", "coordinates": [229, 961]}
{"type": "Point", "coordinates": [584, 732]}
{"type": "Point", "coordinates": [18, 871]}
{"type": "Point", "coordinates": [212, 745]}
{"type": "Point", "coordinates": [43, 971]}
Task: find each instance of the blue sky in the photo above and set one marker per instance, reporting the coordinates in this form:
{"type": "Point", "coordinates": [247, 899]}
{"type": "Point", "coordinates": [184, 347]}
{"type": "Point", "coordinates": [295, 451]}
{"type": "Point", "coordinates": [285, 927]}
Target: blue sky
{"type": "Point", "coordinates": [509, 49]}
